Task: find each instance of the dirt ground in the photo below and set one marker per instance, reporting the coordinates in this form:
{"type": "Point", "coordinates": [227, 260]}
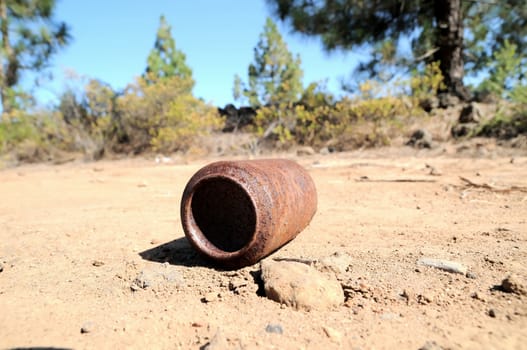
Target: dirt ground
{"type": "Point", "coordinates": [76, 240]}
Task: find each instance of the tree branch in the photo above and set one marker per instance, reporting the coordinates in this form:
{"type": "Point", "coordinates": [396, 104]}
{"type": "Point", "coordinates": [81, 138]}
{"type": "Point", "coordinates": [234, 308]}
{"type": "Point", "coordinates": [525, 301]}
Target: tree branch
{"type": "Point", "coordinates": [427, 54]}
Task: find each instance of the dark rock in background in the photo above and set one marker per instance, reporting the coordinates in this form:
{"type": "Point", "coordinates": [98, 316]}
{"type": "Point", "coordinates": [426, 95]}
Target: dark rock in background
{"type": "Point", "coordinates": [236, 118]}
{"type": "Point", "coordinates": [420, 138]}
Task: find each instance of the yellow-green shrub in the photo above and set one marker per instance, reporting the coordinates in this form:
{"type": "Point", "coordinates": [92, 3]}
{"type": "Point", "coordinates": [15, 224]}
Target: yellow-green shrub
{"type": "Point", "coordinates": [300, 123]}
{"type": "Point", "coordinates": [164, 116]}
{"type": "Point", "coordinates": [428, 83]}
{"type": "Point", "coordinates": [186, 118]}
{"type": "Point", "coordinates": [367, 123]}
{"type": "Point", "coordinates": [343, 125]}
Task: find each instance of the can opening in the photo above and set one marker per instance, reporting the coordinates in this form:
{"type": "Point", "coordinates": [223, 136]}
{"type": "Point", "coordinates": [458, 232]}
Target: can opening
{"type": "Point", "coordinates": [224, 213]}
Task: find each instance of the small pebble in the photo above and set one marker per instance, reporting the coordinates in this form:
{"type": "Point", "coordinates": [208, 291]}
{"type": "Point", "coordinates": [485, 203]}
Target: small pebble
{"type": "Point", "coordinates": [425, 298]}
{"type": "Point", "coordinates": [492, 313]}
{"type": "Point", "coordinates": [478, 296]}
{"type": "Point", "coordinates": [274, 328]}
{"type": "Point", "coordinates": [512, 284]}
{"type": "Point", "coordinates": [1, 267]}
{"type": "Point", "coordinates": [471, 275]}
{"type": "Point", "coordinates": [210, 297]}
{"type": "Point", "coordinates": [431, 345]}
{"type": "Point", "coordinates": [408, 295]}
{"type": "Point", "coordinates": [97, 263]}
{"type": "Point", "coordinates": [144, 279]}
{"type": "Point", "coordinates": [87, 327]}
{"type": "Point", "coordinates": [236, 284]}
{"type": "Point", "coordinates": [332, 334]}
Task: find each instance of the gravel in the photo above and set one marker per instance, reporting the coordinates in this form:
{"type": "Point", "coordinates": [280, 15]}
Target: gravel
{"type": "Point", "coordinates": [274, 328]}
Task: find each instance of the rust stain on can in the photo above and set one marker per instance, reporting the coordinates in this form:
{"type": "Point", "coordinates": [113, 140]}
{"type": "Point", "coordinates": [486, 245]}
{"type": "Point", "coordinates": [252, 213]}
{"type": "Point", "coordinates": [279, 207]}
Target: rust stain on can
{"type": "Point", "coordinates": [238, 212]}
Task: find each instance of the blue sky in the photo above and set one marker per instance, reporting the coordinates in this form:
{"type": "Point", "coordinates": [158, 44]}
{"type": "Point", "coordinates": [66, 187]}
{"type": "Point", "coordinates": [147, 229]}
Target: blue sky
{"type": "Point", "coordinates": [112, 39]}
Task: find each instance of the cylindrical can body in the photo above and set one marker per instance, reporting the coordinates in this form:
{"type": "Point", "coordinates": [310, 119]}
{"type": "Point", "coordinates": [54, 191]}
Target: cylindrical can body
{"type": "Point", "coordinates": [238, 212]}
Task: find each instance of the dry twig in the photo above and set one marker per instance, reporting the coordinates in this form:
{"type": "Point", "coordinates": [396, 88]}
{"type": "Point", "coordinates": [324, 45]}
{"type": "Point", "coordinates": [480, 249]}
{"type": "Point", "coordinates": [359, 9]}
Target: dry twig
{"type": "Point", "coordinates": [367, 179]}
{"type": "Point", "coordinates": [489, 187]}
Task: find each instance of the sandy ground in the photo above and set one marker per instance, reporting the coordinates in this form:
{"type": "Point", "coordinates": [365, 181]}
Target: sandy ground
{"type": "Point", "coordinates": [75, 237]}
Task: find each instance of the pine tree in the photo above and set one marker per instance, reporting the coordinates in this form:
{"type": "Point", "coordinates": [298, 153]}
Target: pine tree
{"type": "Point", "coordinates": [460, 35]}
{"type": "Point", "coordinates": [275, 77]}
{"type": "Point", "coordinates": [165, 60]}
{"type": "Point", "coordinates": [30, 36]}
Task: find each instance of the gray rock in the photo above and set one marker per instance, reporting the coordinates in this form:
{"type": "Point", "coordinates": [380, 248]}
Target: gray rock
{"type": "Point", "coordinates": [445, 265]}
{"type": "Point", "coordinates": [471, 275]}
{"type": "Point", "coordinates": [300, 286]}
{"type": "Point", "coordinates": [157, 277]}
{"type": "Point", "coordinates": [144, 279]}
{"type": "Point", "coordinates": [274, 328]}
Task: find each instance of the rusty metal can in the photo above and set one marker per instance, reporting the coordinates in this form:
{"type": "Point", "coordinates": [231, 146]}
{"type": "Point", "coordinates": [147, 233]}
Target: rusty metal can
{"type": "Point", "coordinates": [238, 212]}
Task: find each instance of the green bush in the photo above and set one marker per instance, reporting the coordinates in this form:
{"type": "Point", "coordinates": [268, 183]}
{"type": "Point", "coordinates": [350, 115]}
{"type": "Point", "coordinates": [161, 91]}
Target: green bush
{"type": "Point", "coordinates": [505, 65]}
{"type": "Point", "coordinates": [14, 129]}
{"type": "Point", "coordinates": [88, 118]}
{"type": "Point", "coordinates": [504, 126]}
{"type": "Point", "coordinates": [511, 118]}
{"type": "Point", "coordinates": [32, 138]}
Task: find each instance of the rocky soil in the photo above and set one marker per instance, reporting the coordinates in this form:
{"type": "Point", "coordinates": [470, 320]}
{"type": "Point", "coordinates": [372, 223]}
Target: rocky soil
{"type": "Point", "coordinates": [409, 249]}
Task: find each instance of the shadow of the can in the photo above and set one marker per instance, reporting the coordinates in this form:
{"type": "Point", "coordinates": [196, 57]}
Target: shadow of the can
{"type": "Point", "coordinates": [177, 252]}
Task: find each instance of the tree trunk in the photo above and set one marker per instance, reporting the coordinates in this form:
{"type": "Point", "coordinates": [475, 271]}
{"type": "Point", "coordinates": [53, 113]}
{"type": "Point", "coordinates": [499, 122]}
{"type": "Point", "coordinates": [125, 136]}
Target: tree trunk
{"type": "Point", "coordinates": [449, 41]}
{"type": "Point", "coordinates": [4, 56]}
